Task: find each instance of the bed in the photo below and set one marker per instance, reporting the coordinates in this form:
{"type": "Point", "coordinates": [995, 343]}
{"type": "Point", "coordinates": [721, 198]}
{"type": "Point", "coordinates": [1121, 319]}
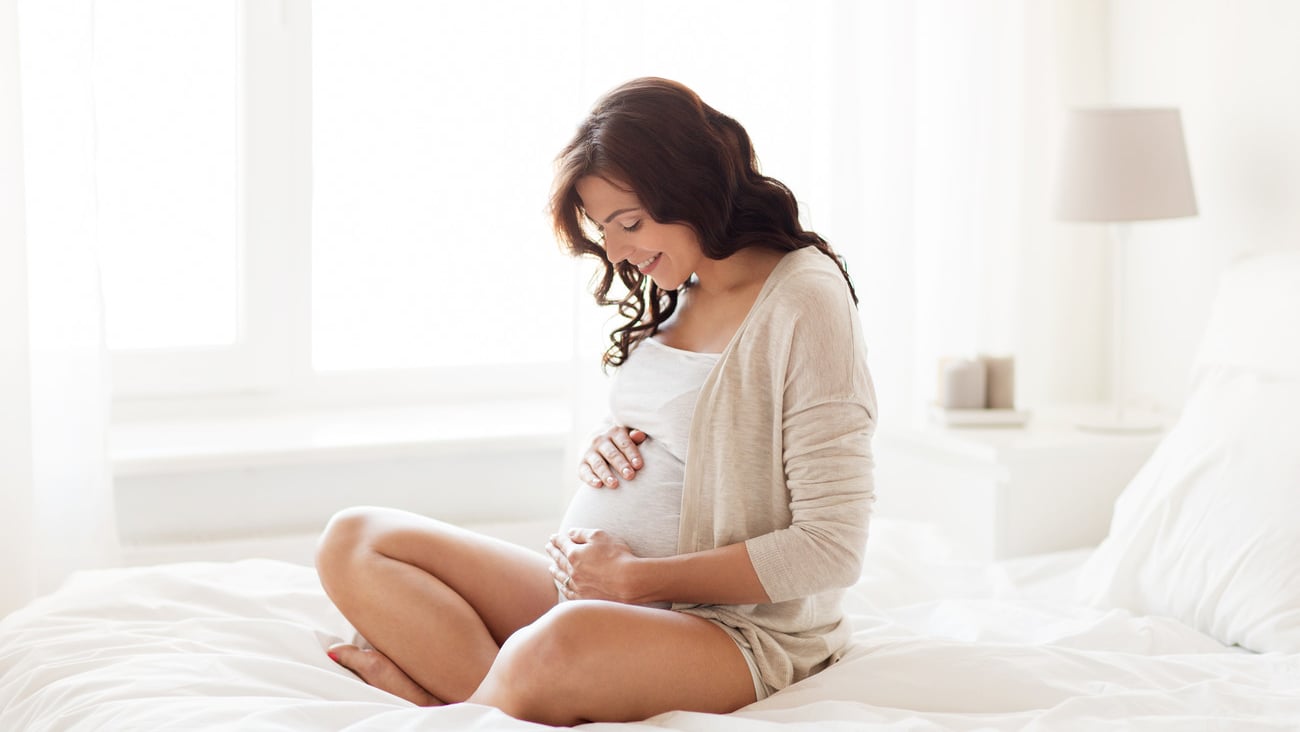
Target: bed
{"type": "Point", "coordinates": [1187, 617]}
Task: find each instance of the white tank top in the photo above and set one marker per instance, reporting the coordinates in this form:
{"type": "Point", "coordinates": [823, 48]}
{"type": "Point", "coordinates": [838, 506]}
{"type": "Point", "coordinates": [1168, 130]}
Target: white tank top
{"type": "Point", "coordinates": [654, 391]}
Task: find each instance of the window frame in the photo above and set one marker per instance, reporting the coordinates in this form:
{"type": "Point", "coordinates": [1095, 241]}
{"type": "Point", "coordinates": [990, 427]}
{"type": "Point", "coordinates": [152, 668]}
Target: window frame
{"type": "Point", "coordinates": [269, 365]}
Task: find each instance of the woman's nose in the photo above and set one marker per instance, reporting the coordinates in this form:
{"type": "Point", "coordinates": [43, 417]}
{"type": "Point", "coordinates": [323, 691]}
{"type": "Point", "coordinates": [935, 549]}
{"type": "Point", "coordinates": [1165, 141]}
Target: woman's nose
{"type": "Point", "coordinates": [615, 251]}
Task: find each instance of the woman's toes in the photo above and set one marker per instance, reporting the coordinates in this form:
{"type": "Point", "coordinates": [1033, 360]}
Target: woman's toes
{"type": "Point", "coordinates": [368, 664]}
{"type": "Point", "coordinates": [379, 671]}
{"type": "Point", "coordinates": [346, 655]}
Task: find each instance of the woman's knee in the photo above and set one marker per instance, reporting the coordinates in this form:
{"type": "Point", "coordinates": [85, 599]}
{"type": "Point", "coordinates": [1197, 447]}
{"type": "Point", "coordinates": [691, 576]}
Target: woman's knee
{"type": "Point", "coordinates": [555, 639]}
{"type": "Point", "coordinates": [529, 676]}
{"type": "Point", "coordinates": [347, 532]}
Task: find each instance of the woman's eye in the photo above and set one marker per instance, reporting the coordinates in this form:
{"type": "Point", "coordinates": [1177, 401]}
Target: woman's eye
{"type": "Point", "coordinates": [633, 227]}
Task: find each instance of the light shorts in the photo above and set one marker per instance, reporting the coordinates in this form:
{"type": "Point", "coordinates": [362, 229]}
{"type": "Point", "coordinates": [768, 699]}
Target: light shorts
{"type": "Point", "coordinates": [761, 689]}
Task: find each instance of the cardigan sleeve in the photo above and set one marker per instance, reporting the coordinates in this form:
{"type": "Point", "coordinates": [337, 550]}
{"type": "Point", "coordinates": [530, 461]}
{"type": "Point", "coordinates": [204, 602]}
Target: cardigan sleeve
{"type": "Point", "coordinates": [828, 415]}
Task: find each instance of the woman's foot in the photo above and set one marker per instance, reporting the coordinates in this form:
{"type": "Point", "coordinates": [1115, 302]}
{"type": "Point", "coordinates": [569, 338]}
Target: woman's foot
{"type": "Point", "coordinates": [379, 671]}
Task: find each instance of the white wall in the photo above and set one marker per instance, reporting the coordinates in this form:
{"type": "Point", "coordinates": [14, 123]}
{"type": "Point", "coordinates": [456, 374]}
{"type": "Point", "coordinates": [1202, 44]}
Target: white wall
{"type": "Point", "coordinates": [1233, 67]}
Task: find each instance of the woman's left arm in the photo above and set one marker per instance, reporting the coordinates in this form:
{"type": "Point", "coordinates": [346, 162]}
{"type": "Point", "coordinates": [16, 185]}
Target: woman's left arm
{"type": "Point", "coordinates": [598, 566]}
{"type": "Point", "coordinates": [828, 417]}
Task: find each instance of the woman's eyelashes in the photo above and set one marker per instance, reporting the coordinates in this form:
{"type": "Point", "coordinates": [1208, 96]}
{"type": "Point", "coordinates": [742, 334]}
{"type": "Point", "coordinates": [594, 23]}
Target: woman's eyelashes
{"type": "Point", "coordinates": [599, 231]}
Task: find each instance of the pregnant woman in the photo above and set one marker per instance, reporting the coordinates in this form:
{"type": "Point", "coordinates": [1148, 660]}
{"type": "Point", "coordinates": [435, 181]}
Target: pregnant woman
{"type": "Point", "coordinates": [724, 508]}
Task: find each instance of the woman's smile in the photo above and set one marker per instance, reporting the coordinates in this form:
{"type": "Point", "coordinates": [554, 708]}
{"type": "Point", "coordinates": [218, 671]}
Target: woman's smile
{"type": "Point", "coordinates": [648, 265]}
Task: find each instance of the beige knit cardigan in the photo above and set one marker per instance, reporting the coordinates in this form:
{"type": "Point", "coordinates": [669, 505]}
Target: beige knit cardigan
{"type": "Point", "coordinates": [779, 457]}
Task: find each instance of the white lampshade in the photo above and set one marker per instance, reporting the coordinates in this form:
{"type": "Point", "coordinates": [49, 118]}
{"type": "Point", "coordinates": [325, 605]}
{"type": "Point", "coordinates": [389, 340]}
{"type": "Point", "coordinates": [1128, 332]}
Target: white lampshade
{"type": "Point", "coordinates": [1123, 164]}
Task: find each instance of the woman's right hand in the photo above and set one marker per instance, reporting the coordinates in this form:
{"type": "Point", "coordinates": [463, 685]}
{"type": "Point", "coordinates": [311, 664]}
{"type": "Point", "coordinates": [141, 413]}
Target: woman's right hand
{"type": "Point", "coordinates": [613, 455]}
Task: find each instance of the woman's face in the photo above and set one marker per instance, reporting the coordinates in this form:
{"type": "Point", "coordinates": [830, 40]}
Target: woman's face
{"type": "Point", "coordinates": [667, 253]}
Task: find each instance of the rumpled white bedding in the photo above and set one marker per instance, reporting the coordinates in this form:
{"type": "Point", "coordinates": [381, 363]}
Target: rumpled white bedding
{"type": "Point", "coordinates": [940, 645]}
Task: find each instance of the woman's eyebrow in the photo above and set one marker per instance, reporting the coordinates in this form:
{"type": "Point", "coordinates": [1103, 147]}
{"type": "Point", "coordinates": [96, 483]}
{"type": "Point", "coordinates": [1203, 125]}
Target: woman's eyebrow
{"type": "Point", "coordinates": [610, 217]}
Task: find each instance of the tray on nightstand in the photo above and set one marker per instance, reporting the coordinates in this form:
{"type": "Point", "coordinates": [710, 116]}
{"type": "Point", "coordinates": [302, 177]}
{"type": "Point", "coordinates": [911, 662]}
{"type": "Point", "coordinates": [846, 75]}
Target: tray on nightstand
{"type": "Point", "coordinates": [979, 417]}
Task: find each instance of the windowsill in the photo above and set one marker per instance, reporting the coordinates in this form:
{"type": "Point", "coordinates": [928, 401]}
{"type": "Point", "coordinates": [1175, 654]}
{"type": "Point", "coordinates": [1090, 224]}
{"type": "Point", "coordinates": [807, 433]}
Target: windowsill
{"type": "Point", "coordinates": [206, 443]}
{"type": "Point", "coordinates": [300, 548]}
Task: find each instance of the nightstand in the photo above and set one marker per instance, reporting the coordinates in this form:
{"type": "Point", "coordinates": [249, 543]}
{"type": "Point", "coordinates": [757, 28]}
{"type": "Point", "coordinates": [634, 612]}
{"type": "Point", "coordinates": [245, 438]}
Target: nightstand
{"type": "Point", "coordinates": [999, 492]}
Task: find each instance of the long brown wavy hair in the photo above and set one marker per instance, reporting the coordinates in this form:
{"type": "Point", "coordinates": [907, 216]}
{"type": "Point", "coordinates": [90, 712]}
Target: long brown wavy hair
{"type": "Point", "coordinates": [688, 164]}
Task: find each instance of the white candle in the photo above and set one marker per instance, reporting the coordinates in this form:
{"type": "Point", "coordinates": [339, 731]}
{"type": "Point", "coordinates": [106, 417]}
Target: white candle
{"type": "Point", "coordinates": [964, 384]}
{"type": "Point", "coordinates": [1000, 388]}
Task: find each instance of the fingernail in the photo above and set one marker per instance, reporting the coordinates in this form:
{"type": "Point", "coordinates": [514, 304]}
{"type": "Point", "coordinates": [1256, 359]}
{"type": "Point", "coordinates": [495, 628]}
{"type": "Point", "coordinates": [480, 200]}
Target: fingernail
{"type": "Point", "coordinates": [595, 482]}
{"type": "Point", "coordinates": [636, 462]}
{"type": "Point", "coordinates": [610, 481]}
{"type": "Point", "coordinates": [627, 472]}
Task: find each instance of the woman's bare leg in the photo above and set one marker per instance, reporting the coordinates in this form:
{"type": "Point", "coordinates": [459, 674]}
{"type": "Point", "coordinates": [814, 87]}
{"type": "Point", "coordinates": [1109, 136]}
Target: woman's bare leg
{"type": "Point", "coordinates": [601, 661]}
{"type": "Point", "coordinates": [436, 599]}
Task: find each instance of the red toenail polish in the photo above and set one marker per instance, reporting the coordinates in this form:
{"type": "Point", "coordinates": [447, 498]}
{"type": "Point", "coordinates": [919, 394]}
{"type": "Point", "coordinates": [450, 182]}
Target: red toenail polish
{"type": "Point", "coordinates": [333, 657]}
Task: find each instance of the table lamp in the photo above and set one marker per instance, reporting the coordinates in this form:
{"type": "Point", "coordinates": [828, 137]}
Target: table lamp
{"type": "Point", "coordinates": [1118, 165]}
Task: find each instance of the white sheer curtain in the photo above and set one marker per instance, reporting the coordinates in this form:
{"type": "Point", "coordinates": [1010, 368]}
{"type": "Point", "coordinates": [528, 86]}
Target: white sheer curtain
{"type": "Point", "coordinates": [15, 397]}
{"type": "Point", "coordinates": [57, 500]}
{"type": "Point", "coordinates": [948, 109]}
{"type": "Point", "coordinates": [903, 129]}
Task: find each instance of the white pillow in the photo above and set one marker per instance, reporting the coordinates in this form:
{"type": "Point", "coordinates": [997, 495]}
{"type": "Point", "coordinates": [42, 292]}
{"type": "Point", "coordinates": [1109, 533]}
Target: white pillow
{"type": "Point", "coordinates": [1255, 321]}
{"type": "Point", "coordinates": [1208, 532]}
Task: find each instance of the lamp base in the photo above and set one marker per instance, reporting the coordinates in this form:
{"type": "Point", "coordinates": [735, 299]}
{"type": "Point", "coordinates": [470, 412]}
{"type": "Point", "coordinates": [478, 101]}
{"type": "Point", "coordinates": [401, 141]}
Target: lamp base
{"type": "Point", "coordinates": [1118, 422]}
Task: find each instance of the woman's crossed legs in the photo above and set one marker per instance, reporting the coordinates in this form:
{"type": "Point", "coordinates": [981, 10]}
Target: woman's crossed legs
{"type": "Point", "coordinates": [457, 616]}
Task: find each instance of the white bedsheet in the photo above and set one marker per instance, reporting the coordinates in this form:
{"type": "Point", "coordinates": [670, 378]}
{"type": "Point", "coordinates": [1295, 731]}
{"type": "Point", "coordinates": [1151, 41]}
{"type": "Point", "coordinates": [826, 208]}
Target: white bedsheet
{"type": "Point", "coordinates": [940, 644]}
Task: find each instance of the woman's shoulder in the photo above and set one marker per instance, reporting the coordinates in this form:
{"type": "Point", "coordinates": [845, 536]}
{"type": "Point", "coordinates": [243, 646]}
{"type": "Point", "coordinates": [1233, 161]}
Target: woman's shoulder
{"type": "Point", "coordinates": [806, 280]}
{"type": "Point", "coordinates": [806, 307]}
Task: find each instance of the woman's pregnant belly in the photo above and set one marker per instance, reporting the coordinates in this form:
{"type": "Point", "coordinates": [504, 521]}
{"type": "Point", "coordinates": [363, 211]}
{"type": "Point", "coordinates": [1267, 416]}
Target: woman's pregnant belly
{"type": "Point", "coordinates": [644, 512]}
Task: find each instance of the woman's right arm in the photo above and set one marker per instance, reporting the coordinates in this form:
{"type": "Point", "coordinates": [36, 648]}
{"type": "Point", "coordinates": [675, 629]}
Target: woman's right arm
{"type": "Point", "coordinates": [613, 455]}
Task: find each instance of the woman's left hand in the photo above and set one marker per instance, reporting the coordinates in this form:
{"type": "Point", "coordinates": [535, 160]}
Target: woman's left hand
{"type": "Point", "coordinates": [590, 564]}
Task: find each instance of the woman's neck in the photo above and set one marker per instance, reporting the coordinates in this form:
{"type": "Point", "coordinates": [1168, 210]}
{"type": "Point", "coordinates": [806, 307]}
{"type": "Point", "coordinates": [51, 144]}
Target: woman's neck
{"type": "Point", "coordinates": [745, 270]}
